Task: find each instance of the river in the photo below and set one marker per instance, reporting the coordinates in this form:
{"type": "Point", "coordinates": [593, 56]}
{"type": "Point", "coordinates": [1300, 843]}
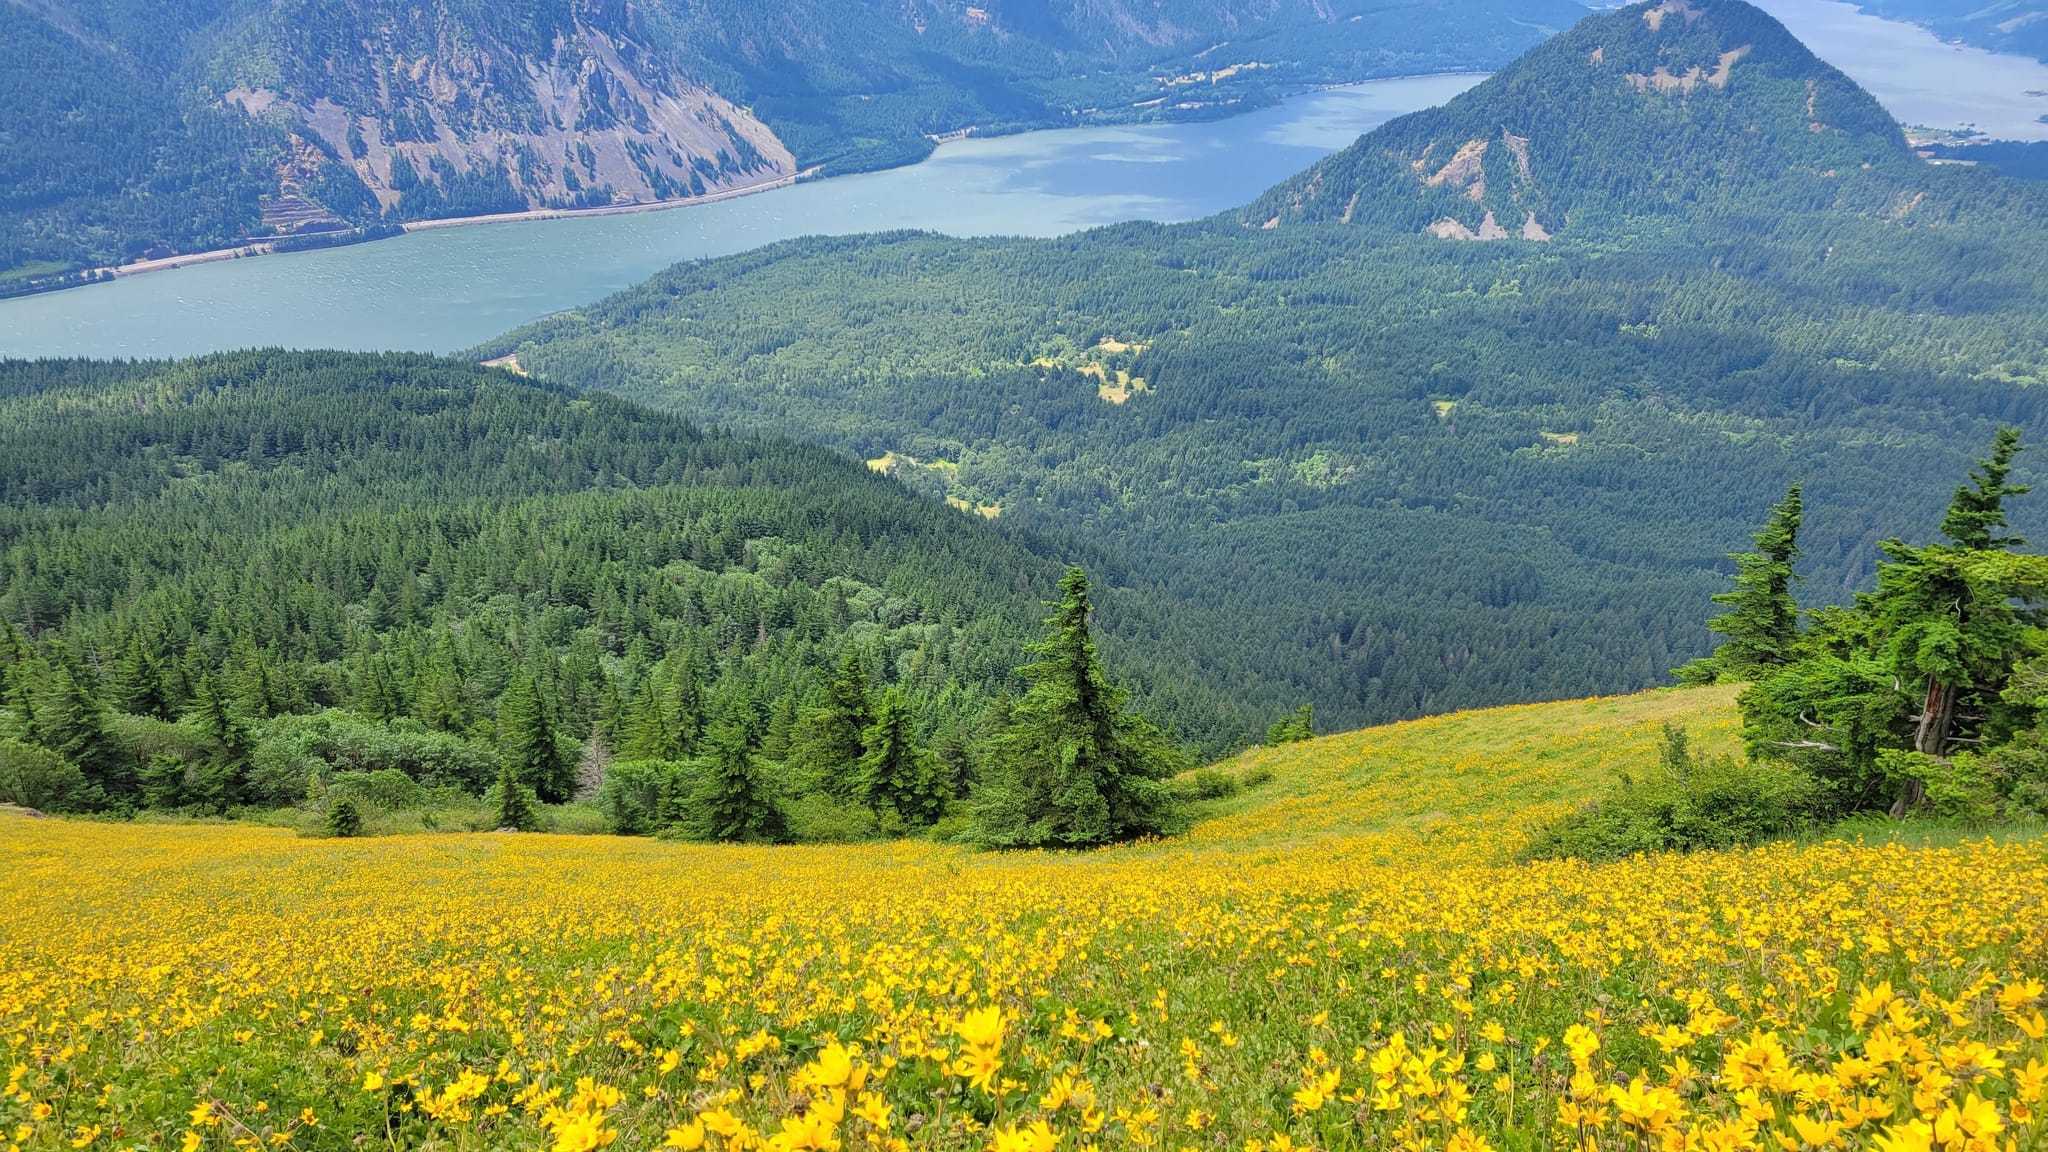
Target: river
{"type": "Point", "coordinates": [452, 288]}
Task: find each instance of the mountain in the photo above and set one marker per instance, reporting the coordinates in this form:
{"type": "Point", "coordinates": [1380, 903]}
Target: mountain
{"type": "Point", "coordinates": [144, 130]}
{"type": "Point", "coordinates": [1681, 104]}
{"type": "Point", "coordinates": [1404, 474]}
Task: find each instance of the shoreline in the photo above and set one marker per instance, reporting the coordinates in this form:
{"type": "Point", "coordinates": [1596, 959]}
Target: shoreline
{"type": "Point", "coordinates": [269, 247]}
{"type": "Point", "coordinates": [254, 248]}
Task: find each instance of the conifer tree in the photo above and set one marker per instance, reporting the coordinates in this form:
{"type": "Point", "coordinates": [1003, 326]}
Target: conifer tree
{"type": "Point", "coordinates": [71, 723]}
{"type": "Point", "coordinates": [527, 744]}
{"type": "Point", "coordinates": [344, 819]}
{"type": "Point", "coordinates": [1073, 768]}
{"type": "Point", "coordinates": [222, 783]}
{"type": "Point", "coordinates": [895, 774]}
{"type": "Point", "coordinates": [1881, 695]}
{"type": "Point", "coordinates": [1944, 618]}
{"type": "Point", "coordinates": [830, 736]}
{"type": "Point", "coordinates": [651, 730]}
{"type": "Point", "coordinates": [137, 685]}
{"type": "Point", "coordinates": [1296, 726]}
{"type": "Point", "coordinates": [731, 801]}
{"type": "Point", "coordinates": [515, 802]}
{"type": "Point", "coordinates": [1762, 621]}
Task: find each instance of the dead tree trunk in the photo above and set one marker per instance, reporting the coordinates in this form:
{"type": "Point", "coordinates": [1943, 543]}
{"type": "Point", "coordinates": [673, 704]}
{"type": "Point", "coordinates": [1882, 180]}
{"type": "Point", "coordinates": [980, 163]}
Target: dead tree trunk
{"type": "Point", "coordinates": [1937, 718]}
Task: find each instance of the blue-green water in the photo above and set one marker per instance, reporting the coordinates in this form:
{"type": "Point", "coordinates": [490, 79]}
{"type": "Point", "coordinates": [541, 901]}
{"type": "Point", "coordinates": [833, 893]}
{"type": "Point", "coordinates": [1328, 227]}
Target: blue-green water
{"type": "Point", "coordinates": [451, 288]}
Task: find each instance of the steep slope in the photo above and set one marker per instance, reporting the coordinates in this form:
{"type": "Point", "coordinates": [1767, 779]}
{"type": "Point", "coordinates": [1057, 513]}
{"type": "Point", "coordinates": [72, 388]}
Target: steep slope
{"type": "Point", "coordinates": [1675, 104]}
{"type": "Point", "coordinates": [148, 129]}
{"type": "Point", "coordinates": [1413, 474]}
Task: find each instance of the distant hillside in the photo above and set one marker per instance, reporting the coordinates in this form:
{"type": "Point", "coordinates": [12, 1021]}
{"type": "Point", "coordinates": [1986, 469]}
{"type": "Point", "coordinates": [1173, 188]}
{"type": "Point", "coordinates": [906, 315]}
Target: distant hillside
{"type": "Point", "coordinates": [140, 130]}
{"type": "Point", "coordinates": [1679, 104]}
{"type": "Point", "coordinates": [404, 535]}
{"type": "Point", "coordinates": [1412, 473]}
{"type": "Point", "coordinates": [2019, 27]}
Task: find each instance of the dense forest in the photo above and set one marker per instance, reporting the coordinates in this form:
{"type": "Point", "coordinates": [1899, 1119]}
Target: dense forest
{"type": "Point", "coordinates": [1410, 473]}
{"type": "Point", "coordinates": [235, 582]}
{"type": "Point", "coordinates": [136, 129]}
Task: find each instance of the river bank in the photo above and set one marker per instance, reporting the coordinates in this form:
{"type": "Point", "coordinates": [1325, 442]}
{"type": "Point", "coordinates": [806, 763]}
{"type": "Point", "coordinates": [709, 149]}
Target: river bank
{"type": "Point", "coordinates": [270, 247]}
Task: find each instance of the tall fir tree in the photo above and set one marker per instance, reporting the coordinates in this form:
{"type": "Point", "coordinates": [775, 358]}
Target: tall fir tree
{"type": "Point", "coordinates": [1879, 697]}
{"type": "Point", "coordinates": [71, 722]}
{"type": "Point", "coordinates": [137, 685]}
{"type": "Point", "coordinates": [223, 782]}
{"type": "Point", "coordinates": [897, 775]}
{"type": "Point", "coordinates": [1762, 621]}
{"type": "Point", "coordinates": [515, 802]}
{"type": "Point", "coordinates": [1073, 768]}
{"type": "Point", "coordinates": [1947, 621]}
{"type": "Point", "coordinates": [527, 744]}
{"type": "Point", "coordinates": [829, 740]}
{"type": "Point", "coordinates": [651, 728]}
{"type": "Point", "coordinates": [731, 802]}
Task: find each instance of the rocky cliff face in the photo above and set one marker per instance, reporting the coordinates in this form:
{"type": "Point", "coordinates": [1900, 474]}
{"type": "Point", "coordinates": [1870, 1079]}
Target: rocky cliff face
{"type": "Point", "coordinates": [576, 115]}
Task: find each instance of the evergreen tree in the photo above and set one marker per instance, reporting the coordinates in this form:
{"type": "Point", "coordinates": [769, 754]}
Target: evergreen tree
{"type": "Point", "coordinates": [527, 744]}
{"type": "Point", "coordinates": [1881, 696]}
{"type": "Point", "coordinates": [137, 686]}
{"type": "Point", "coordinates": [731, 802]}
{"type": "Point", "coordinates": [381, 696]}
{"type": "Point", "coordinates": [71, 723]}
{"type": "Point", "coordinates": [515, 802]}
{"type": "Point", "coordinates": [344, 819]}
{"type": "Point", "coordinates": [651, 729]}
{"type": "Point", "coordinates": [895, 774]}
{"type": "Point", "coordinates": [1762, 621]}
{"type": "Point", "coordinates": [1294, 727]}
{"type": "Point", "coordinates": [1976, 514]}
{"type": "Point", "coordinates": [1073, 768]}
{"type": "Point", "coordinates": [830, 736]}
{"type": "Point", "coordinates": [1945, 618]}
{"type": "Point", "coordinates": [222, 783]}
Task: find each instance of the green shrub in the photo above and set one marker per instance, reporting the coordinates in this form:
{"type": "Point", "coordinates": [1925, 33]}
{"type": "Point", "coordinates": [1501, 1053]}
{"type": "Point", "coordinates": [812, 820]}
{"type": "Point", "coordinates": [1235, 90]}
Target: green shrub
{"type": "Point", "coordinates": [641, 797]}
{"type": "Point", "coordinates": [817, 818]}
{"type": "Point", "coordinates": [386, 788]}
{"type": "Point", "coordinates": [1686, 805]}
{"type": "Point", "coordinates": [1294, 727]}
{"type": "Point", "coordinates": [291, 750]}
{"type": "Point", "coordinates": [1205, 784]}
{"type": "Point", "coordinates": [1256, 777]}
{"type": "Point", "coordinates": [344, 819]}
{"type": "Point", "coordinates": [577, 818]}
{"type": "Point", "coordinates": [39, 778]}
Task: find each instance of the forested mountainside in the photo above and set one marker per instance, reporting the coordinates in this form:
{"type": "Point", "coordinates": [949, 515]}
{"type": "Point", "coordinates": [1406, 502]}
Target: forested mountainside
{"type": "Point", "coordinates": [136, 130]}
{"type": "Point", "coordinates": [1681, 110]}
{"type": "Point", "coordinates": [395, 561]}
{"type": "Point", "coordinates": [1422, 472]}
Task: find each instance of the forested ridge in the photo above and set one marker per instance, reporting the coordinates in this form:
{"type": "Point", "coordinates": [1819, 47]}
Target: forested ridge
{"type": "Point", "coordinates": [1416, 473]}
{"type": "Point", "coordinates": [228, 581]}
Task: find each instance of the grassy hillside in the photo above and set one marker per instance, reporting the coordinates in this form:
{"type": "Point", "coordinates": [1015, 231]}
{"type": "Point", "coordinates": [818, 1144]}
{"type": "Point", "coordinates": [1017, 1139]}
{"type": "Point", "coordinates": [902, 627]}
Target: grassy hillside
{"type": "Point", "coordinates": [1344, 960]}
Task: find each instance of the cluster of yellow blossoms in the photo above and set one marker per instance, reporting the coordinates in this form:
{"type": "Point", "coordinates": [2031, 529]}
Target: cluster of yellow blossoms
{"type": "Point", "coordinates": [1373, 971]}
